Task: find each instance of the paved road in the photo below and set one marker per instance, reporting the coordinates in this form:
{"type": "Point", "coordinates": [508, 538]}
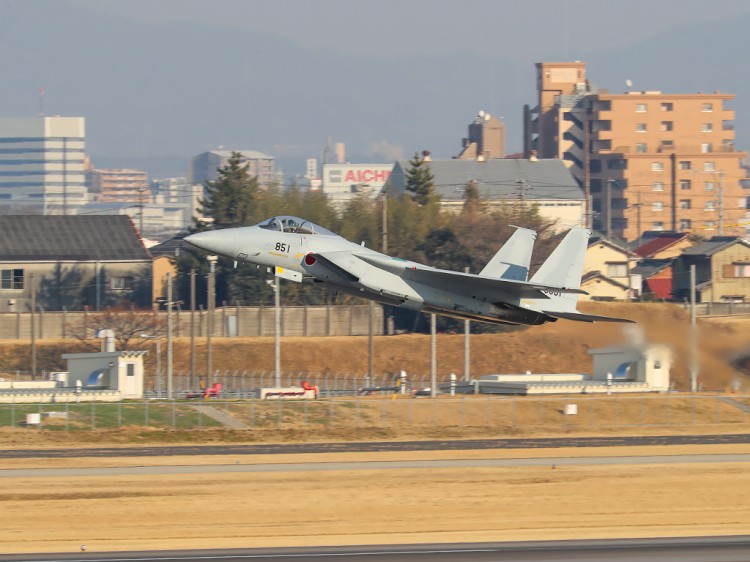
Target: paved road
{"type": "Point", "coordinates": [700, 549]}
{"type": "Point", "coordinates": [377, 446]}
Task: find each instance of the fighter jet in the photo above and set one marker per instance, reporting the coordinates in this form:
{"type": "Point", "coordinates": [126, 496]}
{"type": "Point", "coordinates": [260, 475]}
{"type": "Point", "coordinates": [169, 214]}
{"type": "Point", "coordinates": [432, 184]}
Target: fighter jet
{"type": "Point", "coordinates": [296, 249]}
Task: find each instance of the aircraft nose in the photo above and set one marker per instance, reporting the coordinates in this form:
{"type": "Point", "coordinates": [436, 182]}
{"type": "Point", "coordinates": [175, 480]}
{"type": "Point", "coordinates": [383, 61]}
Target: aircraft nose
{"type": "Point", "coordinates": [214, 241]}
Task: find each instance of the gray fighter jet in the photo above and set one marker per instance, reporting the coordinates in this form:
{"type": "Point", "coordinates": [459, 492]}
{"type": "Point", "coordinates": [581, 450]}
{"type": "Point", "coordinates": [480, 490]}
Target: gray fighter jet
{"type": "Point", "coordinates": [297, 249]}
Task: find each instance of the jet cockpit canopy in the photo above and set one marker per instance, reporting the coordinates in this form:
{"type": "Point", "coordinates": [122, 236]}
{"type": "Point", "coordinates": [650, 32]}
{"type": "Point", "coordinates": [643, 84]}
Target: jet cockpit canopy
{"type": "Point", "coordinates": [295, 225]}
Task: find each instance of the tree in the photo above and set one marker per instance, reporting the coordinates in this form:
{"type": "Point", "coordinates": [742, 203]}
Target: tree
{"type": "Point", "coordinates": [231, 199]}
{"type": "Point", "coordinates": [419, 180]}
{"type": "Point", "coordinates": [127, 325]}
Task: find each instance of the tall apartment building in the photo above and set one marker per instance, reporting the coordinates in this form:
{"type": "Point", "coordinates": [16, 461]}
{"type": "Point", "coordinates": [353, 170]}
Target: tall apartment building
{"type": "Point", "coordinates": [648, 160]}
{"type": "Point", "coordinates": [42, 165]}
{"type": "Point", "coordinates": [120, 185]}
{"type": "Point", "coordinates": [486, 138]}
{"type": "Point", "coordinates": [203, 167]}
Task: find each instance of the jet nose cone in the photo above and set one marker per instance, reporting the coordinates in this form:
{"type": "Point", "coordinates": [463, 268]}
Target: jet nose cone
{"type": "Point", "coordinates": [214, 241]}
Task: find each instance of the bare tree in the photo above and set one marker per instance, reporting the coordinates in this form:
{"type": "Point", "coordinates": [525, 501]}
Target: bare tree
{"type": "Point", "coordinates": [129, 326]}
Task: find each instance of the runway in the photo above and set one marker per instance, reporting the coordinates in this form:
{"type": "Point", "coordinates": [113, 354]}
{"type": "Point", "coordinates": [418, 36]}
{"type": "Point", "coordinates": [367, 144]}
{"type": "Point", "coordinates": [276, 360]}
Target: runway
{"type": "Point", "coordinates": [694, 549]}
{"type": "Point", "coordinates": [378, 446]}
{"type": "Point", "coordinates": [552, 462]}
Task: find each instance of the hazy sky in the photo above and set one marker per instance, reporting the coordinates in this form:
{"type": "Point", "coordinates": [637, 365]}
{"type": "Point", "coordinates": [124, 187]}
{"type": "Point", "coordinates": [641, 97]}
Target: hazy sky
{"type": "Point", "coordinates": [512, 28]}
{"type": "Point", "coordinates": [160, 81]}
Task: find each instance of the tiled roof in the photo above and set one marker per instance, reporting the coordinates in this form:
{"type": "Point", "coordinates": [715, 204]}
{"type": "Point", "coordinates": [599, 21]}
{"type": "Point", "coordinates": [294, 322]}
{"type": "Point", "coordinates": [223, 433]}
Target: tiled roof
{"type": "Point", "coordinates": [660, 243]}
{"type": "Point", "coordinates": [70, 238]}
{"type": "Point", "coordinates": [713, 245]}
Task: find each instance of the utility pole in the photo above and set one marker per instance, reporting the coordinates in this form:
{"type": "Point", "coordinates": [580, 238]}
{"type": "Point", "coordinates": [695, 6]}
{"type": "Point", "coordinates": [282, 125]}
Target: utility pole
{"type": "Point", "coordinates": [433, 356]}
{"type": "Point", "coordinates": [170, 385]}
{"type": "Point", "coordinates": [608, 206]}
{"type": "Point", "coordinates": [721, 202]}
{"type": "Point", "coordinates": [638, 214]}
{"type": "Point", "coordinates": [33, 327]}
{"type": "Point", "coordinates": [141, 191]}
{"type": "Point", "coordinates": [467, 346]}
{"type": "Point", "coordinates": [192, 328]}
{"type": "Point", "coordinates": [277, 330]}
{"type": "Point", "coordinates": [693, 335]}
{"type": "Point", "coordinates": [210, 300]}
{"type": "Point", "coordinates": [384, 197]}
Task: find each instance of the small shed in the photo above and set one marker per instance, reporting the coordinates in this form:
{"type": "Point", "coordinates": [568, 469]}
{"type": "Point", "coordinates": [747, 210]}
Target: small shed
{"type": "Point", "coordinates": [647, 363]}
{"type": "Point", "coordinates": [107, 370]}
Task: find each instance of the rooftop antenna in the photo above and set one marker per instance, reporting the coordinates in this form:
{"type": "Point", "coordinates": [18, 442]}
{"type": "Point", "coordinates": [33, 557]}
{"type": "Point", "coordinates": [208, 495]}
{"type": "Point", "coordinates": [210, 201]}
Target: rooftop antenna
{"type": "Point", "coordinates": [41, 102]}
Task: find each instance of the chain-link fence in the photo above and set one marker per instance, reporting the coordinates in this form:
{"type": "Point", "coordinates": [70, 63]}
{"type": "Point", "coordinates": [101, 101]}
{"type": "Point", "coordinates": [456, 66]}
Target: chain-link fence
{"type": "Point", "coordinates": [502, 415]}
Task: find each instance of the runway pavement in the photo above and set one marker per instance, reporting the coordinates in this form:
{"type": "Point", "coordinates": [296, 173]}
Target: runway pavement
{"type": "Point", "coordinates": [552, 462]}
{"type": "Point", "coordinates": [695, 549]}
{"type": "Point", "coordinates": [377, 446]}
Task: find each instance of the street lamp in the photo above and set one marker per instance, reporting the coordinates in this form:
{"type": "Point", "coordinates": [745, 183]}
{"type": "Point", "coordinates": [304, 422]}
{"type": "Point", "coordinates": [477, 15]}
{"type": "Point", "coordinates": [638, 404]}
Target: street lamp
{"type": "Point", "coordinates": [157, 343]}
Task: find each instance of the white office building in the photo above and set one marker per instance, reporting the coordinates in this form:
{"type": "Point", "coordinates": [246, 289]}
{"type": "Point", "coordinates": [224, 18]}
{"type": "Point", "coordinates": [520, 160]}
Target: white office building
{"type": "Point", "coordinates": [41, 165]}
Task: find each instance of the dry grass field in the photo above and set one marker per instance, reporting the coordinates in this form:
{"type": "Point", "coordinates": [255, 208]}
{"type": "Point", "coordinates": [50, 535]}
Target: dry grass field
{"type": "Point", "coordinates": [106, 513]}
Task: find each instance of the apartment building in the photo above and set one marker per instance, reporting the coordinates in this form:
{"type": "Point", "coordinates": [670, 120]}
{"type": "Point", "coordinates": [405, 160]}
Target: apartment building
{"type": "Point", "coordinates": [203, 167]}
{"type": "Point", "coordinates": [42, 165]}
{"type": "Point", "coordinates": [118, 185]}
{"type": "Point", "coordinates": [647, 160]}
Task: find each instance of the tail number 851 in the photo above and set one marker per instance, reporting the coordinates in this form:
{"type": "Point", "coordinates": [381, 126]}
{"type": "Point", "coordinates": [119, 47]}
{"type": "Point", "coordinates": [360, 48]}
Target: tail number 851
{"type": "Point", "coordinates": [281, 247]}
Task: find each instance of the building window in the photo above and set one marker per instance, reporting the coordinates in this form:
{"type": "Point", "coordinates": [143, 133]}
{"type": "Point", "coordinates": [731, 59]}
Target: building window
{"type": "Point", "coordinates": [686, 224]}
{"type": "Point", "coordinates": [710, 185]}
{"type": "Point", "coordinates": [685, 165]}
{"type": "Point", "coordinates": [657, 166]}
{"type": "Point", "coordinates": [658, 225]}
{"type": "Point", "coordinates": [657, 186]}
{"type": "Point", "coordinates": [657, 206]}
{"type": "Point", "coordinates": [737, 269]}
{"type": "Point", "coordinates": [706, 147]}
{"type": "Point", "coordinates": [709, 225]}
{"type": "Point", "coordinates": [707, 127]}
{"type": "Point", "coordinates": [685, 204]}
{"type": "Point", "coordinates": [667, 106]}
{"type": "Point", "coordinates": [617, 270]}
{"type": "Point", "coordinates": [686, 184]}
{"type": "Point", "coordinates": [640, 128]}
{"type": "Point", "coordinates": [667, 144]}
{"type": "Point", "coordinates": [595, 166]}
{"type": "Point", "coordinates": [707, 107]}
{"type": "Point", "coordinates": [619, 164]}
{"type": "Point", "coordinates": [641, 148]}
{"type": "Point", "coordinates": [11, 279]}
{"type": "Point", "coordinates": [710, 206]}
{"type": "Point", "coordinates": [667, 125]}
{"type": "Point", "coordinates": [640, 108]}
{"type": "Point", "coordinates": [709, 166]}
{"type": "Point", "coordinates": [121, 283]}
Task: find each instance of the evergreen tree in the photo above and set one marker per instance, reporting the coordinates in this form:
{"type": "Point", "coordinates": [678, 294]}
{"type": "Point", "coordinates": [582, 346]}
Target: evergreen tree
{"type": "Point", "coordinates": [419, 180]}
{"type": "Point", "coordinates": [231, 199]}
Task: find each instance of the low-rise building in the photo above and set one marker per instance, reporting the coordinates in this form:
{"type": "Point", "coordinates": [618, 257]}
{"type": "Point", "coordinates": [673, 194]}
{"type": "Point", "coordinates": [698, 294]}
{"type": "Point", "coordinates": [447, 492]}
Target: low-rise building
{"type": "Point", "coordinates": [545, 184]}
{"type": "Point", "coordinates": [722, 271]}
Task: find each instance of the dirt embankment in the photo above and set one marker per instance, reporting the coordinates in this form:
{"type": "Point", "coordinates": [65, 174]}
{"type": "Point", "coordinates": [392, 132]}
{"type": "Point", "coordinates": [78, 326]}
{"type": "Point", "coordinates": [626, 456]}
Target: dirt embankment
{"type": "Point", "coordinates": [553, 348]}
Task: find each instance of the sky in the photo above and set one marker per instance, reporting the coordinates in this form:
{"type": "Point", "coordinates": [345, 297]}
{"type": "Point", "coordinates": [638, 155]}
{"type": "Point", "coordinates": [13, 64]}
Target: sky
{"type": "Point", "coordinates": [160, 81]}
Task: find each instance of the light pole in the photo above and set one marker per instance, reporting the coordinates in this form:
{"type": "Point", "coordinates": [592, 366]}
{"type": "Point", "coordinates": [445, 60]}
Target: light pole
{"type": "Point", "coordinates": [210, 318]}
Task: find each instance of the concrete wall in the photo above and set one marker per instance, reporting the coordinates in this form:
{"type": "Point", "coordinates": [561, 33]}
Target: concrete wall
{"type": "Point", "coordinates": [351, 320]}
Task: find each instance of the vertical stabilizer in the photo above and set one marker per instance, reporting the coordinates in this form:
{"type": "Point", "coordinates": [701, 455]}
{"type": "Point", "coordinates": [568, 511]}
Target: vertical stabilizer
{"type": "Point", "coordinates": [513, 259]}
{"type": "Point", "coordinates": [564, 269]}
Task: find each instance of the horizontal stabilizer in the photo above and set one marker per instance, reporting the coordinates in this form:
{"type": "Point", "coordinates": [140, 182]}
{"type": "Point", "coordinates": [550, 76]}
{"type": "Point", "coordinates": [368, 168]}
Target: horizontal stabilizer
{"type": "Point", "coordinates": [585, 317]}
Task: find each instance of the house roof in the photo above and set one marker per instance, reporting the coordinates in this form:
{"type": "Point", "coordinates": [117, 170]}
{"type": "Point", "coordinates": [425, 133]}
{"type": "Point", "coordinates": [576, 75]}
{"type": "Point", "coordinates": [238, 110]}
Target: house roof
{"type": "Point", "coordinates": [648, 267]}
{"type": "Point", "coordinates": [600, 238]}
{"type": "Point", "coordinates": [171, 247]}
{"type": "Point", "coordinates": [659, 243]}
{"type": "Point", "coordinates": [599, 275]}
{"type": "Point", "coordinates": [498, 178]}
{"type": "Point", "coordinates": [713, 245]}
{"type": "Point", "coordinates": [70, 238]}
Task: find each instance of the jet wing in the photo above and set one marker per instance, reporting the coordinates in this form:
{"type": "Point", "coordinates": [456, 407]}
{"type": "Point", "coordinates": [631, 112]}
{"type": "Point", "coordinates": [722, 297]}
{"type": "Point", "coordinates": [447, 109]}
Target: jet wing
{"type": "Point", "coordinates": [337, 269]}
{"type": "Point", "coordinates": [477, 286]}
